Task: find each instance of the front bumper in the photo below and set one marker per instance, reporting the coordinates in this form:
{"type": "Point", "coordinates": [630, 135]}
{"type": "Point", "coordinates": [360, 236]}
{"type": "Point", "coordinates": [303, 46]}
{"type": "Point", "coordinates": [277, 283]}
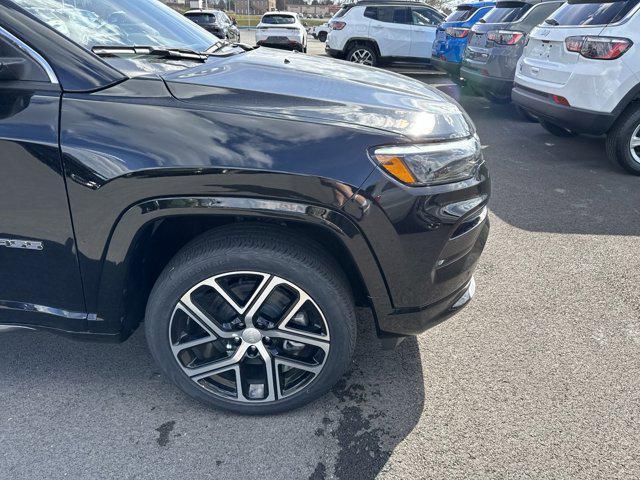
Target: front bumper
{"type": "Point", "coordinates": [452, 68]}
{"type": "Point", "coordinates": [542, 105]}
{"type": "Point", "coordinates": [427, 242]}
{"type": "Point", "coordinates": [413, 321]}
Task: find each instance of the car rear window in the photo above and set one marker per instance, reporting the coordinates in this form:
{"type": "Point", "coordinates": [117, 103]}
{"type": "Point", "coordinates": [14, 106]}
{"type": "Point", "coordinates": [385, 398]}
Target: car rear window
{"type": "Point", "coordinates": [201, 17]}
{"type": "Point", "coordinates": [505, 12]}
{"type": "Point", "coordinates": [581, 12]}
{"type": "Point", "coordinates": [341, 12]}
{"type": "Point", "coordinates": [461, 14]}
{"type": "Point", "coordinates": [278, 19]}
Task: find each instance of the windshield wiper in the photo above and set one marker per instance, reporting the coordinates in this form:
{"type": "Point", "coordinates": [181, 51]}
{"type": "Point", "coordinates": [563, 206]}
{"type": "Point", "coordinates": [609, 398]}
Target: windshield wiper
{"type": "Point", "coordinates": [160, 52]}
{"type": "Point", "coordinates": [164, 52]}
{"type": "Point", "coordinates": [552, 21]}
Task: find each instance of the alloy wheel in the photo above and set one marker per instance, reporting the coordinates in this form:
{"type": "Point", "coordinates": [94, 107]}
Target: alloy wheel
{"type": "Point", "coordinates": [249, 336]}
{"type": "Point", "coordinates": [634, 144]}
{"type": "Point", "coordinates": [362, 56]}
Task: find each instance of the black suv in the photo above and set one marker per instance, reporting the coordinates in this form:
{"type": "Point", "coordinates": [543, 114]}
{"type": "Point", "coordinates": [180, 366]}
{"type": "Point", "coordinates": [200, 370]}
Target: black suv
{"type": "Point", "coordinates": [216, 22]}
{"type": "Point", "coordinates": [210, 190]}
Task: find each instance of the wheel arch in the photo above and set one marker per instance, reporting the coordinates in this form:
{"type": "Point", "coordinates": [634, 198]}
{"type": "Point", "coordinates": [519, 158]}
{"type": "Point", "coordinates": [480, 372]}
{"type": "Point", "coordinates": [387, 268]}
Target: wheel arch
{"type": "Point", "coordinates": [150, 233]}
{"type": "Point", "coordinates": [356, 41]}
{"type": "Point", "coordinates": [632, 96]}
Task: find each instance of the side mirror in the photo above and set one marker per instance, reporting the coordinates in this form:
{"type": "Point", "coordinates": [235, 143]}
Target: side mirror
{"type": "Point", "coordinates": [305, 24]}
{"type": "Point", "coordinates": [234, 21]}
{"type": "Point", "coordinates": [12, 68]}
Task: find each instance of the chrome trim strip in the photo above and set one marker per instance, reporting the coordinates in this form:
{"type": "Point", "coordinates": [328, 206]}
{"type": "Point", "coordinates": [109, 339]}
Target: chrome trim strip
{"type": "Point", "coordinates": [13, 328]}
{"type": "Point", "coordinates": [33, 54]}
{"type": "Point", "coordinates": [21, 244]}
{"type": "Point", "coordinates": [466, 296]}
{"type": "Point", "coordinates": [32, 307]}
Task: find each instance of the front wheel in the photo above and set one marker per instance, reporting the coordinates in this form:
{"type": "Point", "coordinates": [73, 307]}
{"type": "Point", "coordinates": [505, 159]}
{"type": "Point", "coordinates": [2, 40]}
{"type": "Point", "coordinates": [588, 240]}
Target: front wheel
{"type": "Point", "coordinates": [557, 130]}
{"type": "Point", "coordinates": [363, 54]}
{"type": "Point", "coordinates": [252, 320]}
{"type": "Point", "coordinates": [623, 140]}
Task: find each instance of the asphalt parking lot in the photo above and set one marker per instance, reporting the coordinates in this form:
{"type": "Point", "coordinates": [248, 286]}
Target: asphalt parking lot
{"type": "Point", "coordinates": [538, 378]}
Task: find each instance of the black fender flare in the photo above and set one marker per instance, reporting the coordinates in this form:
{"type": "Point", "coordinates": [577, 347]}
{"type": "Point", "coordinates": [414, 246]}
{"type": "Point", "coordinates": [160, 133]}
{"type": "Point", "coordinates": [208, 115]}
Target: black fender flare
{"type": "Point", "coordinates": [114, 316]}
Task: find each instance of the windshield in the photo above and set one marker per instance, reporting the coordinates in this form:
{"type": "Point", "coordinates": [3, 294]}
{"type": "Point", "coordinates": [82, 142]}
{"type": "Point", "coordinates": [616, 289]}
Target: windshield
{"type": "Point", "coordinates": [461, 14]}
{"type": "Point", "coordinates": [505, 12]}
{"type": "Point", "coordinates": [278, 19]}
{"type": "Point", "coordinates": [120, 22]}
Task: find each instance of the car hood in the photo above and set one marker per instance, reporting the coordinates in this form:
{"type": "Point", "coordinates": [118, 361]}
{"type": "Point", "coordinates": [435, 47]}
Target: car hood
{"type": "Point", "coordinates": [278, 83]}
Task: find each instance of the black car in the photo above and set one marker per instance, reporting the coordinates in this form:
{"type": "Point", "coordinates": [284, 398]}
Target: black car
{"type": "Point", "coordinates": [216, 22]}
{"type": "Point", "coordinates": [236, 201]}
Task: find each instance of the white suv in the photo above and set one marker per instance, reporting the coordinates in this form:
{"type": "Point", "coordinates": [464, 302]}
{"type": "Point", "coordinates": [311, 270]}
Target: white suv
{"type": "Point", "coordinates": [282, 30]}
{"type": "Point", "coordinates": [370, 32]}
{"type": "Point", "coordinates": [580, 73]}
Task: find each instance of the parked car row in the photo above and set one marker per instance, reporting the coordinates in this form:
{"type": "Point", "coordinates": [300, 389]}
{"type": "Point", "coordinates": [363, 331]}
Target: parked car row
{"type": "Point", "coordinates": [570, 65]}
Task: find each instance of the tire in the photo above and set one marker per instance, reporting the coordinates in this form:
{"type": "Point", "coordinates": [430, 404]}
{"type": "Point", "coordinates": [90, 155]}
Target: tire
{"type": "Point", "coordinates": [363, 54]}
{"type": "Point", "coordinates": [557, 130]}
{"type": "Point", "coordinates": [322, 36]}
{"type": "Point", "coordinates": [525, 115]}
{"type": "Point", "coordinates": [262, 255]}
{"type": "Point", "coordinates": [625, 130]}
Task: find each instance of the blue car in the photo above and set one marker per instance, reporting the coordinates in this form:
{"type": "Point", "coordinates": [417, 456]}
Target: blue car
{"type": "Point", "coordinates": [452, 36]}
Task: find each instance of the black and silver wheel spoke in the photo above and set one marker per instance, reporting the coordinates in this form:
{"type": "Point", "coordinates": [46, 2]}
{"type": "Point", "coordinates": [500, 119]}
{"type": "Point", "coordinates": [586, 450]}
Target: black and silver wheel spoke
{"type": "Point", "coordinates": [362, 56]}
{"type": "Point", "coordinates": [249, 336]}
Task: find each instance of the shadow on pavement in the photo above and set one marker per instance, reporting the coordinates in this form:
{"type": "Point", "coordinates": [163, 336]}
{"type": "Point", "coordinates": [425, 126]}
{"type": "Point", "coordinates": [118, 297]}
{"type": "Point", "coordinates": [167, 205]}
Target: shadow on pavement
{"type": "Point", "coordinates": [102, 410]}
{"type": "Point", "coordinates": [544, 183]}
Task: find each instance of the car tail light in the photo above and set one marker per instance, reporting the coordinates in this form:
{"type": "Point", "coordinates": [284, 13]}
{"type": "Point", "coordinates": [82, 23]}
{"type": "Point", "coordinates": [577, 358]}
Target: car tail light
{"type": "Point", "coordinates": [598, 48]}
{"type": "Point", "coordinates": [560, 100]}
{"type": "Point", "coordinates": [457, 32]}
{"type": "Point", "coordinates": [505, 37]}
{"type": "Point", "coordinates": [338, 25]}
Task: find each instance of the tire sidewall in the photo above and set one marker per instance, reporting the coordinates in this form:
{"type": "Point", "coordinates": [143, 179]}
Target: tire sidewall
{"type": "Point", "coordinates": [618, 141]}
{"type": "Point", "coordinates": [181, 278]}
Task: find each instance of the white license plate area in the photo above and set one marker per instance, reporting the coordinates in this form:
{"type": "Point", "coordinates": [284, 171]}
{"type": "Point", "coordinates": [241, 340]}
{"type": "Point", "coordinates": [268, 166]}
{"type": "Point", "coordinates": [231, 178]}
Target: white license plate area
{"type": "Point", "coordinates": [541, 50]}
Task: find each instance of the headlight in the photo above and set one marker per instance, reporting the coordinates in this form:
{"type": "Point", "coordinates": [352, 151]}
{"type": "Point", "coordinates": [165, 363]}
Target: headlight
{"type": "Point", "coordinates": [431, 163]}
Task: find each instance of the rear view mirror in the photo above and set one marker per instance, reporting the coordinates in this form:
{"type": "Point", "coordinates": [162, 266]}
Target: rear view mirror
{"type": "Point", "coordinates": [12, 68]}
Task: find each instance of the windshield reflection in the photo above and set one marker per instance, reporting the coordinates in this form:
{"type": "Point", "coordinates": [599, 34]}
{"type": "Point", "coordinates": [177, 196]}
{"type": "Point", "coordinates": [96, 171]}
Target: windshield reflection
{"type": "Point", "coordinates": [120, 23]}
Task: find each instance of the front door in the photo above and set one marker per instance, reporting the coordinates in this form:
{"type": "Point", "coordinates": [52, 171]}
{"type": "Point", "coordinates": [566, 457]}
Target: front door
{"type": "Point", "coordinates": [39, 273]}
{"type": "Point", "coordinates": [424, 25]}
{"type": "Point", "coordinates": [391, 29]}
